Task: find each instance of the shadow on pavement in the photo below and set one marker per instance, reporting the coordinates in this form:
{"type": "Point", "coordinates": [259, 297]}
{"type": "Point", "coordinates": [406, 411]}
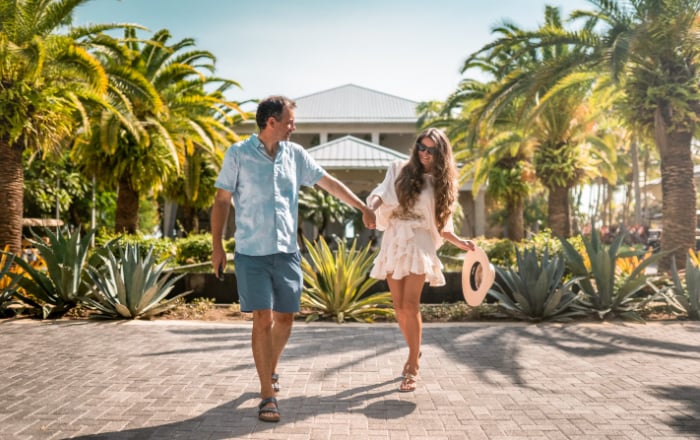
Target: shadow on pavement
{"type": "Point", "coordinates": [690, 397]}
{"type": "Point", "coordinates": [230, 420]}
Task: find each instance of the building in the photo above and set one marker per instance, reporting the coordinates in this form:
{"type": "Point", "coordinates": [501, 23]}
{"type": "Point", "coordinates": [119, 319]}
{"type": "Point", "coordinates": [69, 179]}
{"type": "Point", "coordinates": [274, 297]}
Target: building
{"type": "Point", "coordinates": [355, 133]}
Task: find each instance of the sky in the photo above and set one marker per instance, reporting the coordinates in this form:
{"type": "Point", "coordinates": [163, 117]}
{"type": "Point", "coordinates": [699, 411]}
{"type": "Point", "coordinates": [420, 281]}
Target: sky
{"type": "Point", "coordinates": [408, 48]}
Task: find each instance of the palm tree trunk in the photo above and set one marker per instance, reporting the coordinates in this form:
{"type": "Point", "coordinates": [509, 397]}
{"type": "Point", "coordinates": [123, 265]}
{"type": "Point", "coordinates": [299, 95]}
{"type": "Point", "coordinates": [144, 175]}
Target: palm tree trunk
{"type": "Point", "coordinates": [635, 184]}
{"type": "Point", "coordinates": [11, 197]}
{"type": "Point", "coordinates": [559, 211]}
{"type": "Point", "coordinates": [678, 195]}
{"type": "Point", "coordinates": [515, 223]}
{"type": "Point", "coordinates": [190, 219]}
{"type": "Point", "coordinates": [127, 215]}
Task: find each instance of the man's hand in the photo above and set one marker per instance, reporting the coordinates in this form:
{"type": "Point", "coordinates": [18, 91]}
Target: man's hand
{"type": "Point", "coordinates": [368, 218]}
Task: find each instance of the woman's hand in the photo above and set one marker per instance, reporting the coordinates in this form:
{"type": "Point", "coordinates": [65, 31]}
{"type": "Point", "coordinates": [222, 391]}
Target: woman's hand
{"type": "Point", "coordinates": [466, 245]}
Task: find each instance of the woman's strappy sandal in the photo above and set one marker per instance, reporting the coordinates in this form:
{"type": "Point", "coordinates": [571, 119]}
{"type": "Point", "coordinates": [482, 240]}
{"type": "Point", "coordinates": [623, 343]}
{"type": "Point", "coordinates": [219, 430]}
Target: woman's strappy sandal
{"type": "Point", "coordinates": [276, 382]}
{"type": "Point", "coordinates": [408, 383]}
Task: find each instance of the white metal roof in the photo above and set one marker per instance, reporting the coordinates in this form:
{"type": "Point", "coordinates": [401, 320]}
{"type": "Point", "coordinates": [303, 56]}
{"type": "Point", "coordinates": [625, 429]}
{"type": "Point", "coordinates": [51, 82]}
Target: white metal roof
{"type": "Point", "coordinates": [351, 103]}
{"type": "Point", "coordinates": [350, 152]}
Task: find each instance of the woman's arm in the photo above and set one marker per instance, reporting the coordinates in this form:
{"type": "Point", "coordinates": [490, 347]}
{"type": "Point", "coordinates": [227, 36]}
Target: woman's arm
{"type": "Point", "coordinates": [464, 244]}
{"type": "Point", "coordinates": [374, 202]}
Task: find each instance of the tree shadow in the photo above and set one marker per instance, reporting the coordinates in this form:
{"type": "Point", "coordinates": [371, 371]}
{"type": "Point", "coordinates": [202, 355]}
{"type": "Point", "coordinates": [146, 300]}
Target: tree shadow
{"type": "Point", "coordinates": [497, 349]}
{"type": "Point", "coordinates": [690, 397]}
{"type": "Point", "coordinates": [237, 418]}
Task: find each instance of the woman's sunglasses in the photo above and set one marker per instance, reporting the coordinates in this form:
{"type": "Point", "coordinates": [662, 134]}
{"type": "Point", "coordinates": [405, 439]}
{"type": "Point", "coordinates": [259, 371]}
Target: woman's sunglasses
{"type": "Point", "coordinates": [431, 150]}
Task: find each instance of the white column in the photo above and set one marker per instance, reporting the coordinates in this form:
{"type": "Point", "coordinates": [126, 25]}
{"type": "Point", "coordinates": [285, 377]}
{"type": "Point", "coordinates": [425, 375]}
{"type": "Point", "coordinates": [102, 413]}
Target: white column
{"type": "Point", "coordinates": [375, 137]}
{"type": "Point", "coordinates": [323, 137]}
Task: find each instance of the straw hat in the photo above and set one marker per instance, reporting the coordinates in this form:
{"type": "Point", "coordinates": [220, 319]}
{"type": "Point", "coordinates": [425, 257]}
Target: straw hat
{"type": "Point", "coordinates": [478, 276]}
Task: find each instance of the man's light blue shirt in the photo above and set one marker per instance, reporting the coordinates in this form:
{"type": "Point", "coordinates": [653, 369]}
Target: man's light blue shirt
{"type": "Point", "coordinates": [266, 194]}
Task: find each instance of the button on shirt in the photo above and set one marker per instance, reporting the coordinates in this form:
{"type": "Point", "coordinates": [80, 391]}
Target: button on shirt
{"type": "Point", "coordinates": [266, 194]}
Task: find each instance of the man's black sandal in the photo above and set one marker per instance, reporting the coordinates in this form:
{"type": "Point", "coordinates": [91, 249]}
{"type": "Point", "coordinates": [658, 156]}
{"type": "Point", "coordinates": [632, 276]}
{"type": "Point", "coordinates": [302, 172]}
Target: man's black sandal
{"type": "Point", "coordinates": [268, 414]}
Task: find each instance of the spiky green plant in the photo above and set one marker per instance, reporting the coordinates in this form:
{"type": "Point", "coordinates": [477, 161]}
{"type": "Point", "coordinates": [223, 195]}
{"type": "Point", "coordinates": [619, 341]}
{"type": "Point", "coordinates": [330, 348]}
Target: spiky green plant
{"type": "Point", "coordinates": [688, 296]}
{"type": "Point", "coordinates": [604, 293]}
{"type": "Point", "coordinates": [62, 285]}
{"type": "Point", "coordinates": [131, 285]}
{"type": "Point", "coordinates": [9, 279]}
{"type": "Point", "coordinates": [336, 283]}
{"type": "Point", "coordinates": [536, 291]}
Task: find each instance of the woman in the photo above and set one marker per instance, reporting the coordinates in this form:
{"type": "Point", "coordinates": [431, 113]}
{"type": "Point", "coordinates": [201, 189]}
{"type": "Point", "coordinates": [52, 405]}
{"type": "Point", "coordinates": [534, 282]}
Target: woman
{"type": "Point", "coordinates": [414, 206]}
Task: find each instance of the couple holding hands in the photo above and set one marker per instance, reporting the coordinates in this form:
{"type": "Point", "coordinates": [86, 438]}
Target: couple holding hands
{"type": "Point", "coordinates": [263, 175]}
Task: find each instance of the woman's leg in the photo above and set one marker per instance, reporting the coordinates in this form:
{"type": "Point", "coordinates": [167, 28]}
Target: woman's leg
{"type": "Point", "coordinates": [406, 296]}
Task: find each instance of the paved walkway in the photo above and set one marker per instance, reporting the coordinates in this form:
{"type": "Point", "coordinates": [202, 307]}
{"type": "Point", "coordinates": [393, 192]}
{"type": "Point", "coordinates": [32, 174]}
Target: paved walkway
{"type": "Point", "coordinates": [195, 380]}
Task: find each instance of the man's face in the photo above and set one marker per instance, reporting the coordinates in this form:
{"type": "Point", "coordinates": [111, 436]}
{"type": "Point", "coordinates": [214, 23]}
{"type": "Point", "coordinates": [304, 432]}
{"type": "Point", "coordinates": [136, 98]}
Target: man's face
{"type": "Point", "coordinates": [285, 126]}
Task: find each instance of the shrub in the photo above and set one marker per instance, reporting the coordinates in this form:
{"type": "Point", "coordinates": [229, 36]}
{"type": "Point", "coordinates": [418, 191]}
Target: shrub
{"type": "Point", "coordinates": [130, 285]}
{"type": "Point", "coordinates": [686, 296]}
{"type": "Point", "coordinates": [336, 283]}
{"type": "Point", "coordinates": [596, 266]}
{"type": "Point", "coordinates": [536, 291]}
{"type": "Point", "coordinates": [195, 248]}
{"type": "Point", "coordinates": [62, 285]}
{"type": "Point", "coordinates": [10, 275]}
{"type": "Point", "coordinates": [163, 248]}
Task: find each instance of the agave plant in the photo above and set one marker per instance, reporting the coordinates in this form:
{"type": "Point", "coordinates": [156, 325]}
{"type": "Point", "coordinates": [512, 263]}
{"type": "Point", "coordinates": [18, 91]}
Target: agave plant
{"type": "Point", "coordinates": [535, 291]}
{"type": "Point", "coordinates": [9, 279]}
{"type": "Point", "coordinates": [604, 293]}
{"type": "Point", "coordinates": [336, 283]}
{"type": "Point", "coordinates": [62, 285]}
{"type": "Point", "coordinates": [687, 298]}
{"type": "Point", "coordinates": [131, 285]}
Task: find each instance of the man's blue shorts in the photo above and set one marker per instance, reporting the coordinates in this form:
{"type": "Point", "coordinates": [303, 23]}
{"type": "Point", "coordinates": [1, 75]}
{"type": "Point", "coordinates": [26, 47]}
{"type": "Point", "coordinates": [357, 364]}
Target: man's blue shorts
{"type": "Point", "coordinates": [269, 282]}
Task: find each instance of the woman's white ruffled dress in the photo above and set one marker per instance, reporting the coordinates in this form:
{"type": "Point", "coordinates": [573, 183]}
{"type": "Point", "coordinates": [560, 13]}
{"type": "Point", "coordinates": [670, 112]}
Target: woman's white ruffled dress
{"type": "Point", "coordinates": [410, 241]}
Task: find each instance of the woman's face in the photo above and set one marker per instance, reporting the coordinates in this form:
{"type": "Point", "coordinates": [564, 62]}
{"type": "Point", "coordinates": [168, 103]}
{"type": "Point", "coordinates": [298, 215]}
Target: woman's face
{"type": "Point", "coordinates": [427, 150]}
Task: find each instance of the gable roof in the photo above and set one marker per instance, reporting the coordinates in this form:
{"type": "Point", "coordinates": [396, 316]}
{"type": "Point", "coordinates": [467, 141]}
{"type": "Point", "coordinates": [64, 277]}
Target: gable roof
{"type": "Point", "coordinates": [351, 103]}
{"type": "Point", "coordinates": [351, 152]}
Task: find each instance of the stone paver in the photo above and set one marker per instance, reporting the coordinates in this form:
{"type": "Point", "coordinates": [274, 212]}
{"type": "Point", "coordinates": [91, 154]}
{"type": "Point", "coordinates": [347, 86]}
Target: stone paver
{"type": "Point", "coordinates": [482, 381]}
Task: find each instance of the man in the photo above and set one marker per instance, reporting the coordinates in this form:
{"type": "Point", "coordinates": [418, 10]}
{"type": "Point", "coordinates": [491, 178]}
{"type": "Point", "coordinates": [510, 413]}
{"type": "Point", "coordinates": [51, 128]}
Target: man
{"type": "Point", "coordinates": [264, 174]}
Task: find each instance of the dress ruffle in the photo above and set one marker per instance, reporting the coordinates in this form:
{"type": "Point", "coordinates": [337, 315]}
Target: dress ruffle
{"type": "Point", "coordinates": [408, 247]}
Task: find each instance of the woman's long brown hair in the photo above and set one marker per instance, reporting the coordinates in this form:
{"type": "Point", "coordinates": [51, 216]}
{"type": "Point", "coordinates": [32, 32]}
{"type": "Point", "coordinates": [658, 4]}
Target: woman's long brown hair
{"type": "Point", "coordinates": [410, 180]}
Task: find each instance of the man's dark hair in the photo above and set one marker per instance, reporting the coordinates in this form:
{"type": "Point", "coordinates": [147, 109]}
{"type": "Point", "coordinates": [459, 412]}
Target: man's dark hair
{"type": "Point", "coordinates": [272, 106]}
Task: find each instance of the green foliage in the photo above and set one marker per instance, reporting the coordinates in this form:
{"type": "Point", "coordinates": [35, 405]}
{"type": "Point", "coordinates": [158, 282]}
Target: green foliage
{"type": "Point", "coordinates": [62, 286]}
{"type": "Point", "coordinates": [535, 291]}
{"type": "Point", "coordinates": [50, 181]}
{"type": "Point", "coordinates": [322, 209]}
{"type": "Point", "coordinates": [130, 285]}
{"type": "Point", "coordinates": [605, 293]}
{"type": "Point", "coordinates": [9, 280]}
{"type": "Point", "coordinates": [501, 251]}
{"type": "Point", "coordinates": [163, 248]}
{"type": "Point", "coordinates": [687, 296]}
{"type": "Point", "coordinates": [195, 248]}
{"type": "Point", "coordinates": [336, 283]}
{"type": "Point", "coordinates": [458, 312]}
{"type": "Point", "coordinates": [230, 245]}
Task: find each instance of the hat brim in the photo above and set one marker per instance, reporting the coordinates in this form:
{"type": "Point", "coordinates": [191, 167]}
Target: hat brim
{"type": "Point", "coordinates": [478, 276]}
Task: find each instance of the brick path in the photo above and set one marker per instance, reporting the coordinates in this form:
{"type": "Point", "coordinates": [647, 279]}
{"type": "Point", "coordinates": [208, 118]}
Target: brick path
{"type": "Point", "coordinates": [195, 380]}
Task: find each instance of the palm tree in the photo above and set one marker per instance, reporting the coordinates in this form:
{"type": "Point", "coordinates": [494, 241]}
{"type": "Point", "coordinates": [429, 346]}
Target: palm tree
{"type": "Point", "coordinates": [650, 49]}
{"type": "Point", "coordinates": [322, 209]}
{"type": "Point", "coordinates": [194, 188]}
{"type": "Point", "coordinates": [553, 127]}
{"type": "Point", "coordinates": [45, 78]}
{"type": "Point", "coordinates": [501, 154]}
{"type": "Point", "coordinates": [167, 114]}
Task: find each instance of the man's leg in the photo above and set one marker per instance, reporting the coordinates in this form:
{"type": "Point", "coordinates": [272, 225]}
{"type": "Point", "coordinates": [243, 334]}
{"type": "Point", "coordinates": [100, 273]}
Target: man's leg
{"type": "Point", "coordinates": [263, 350]}
{"type": "Point", "coordinates": [281, 329]}
{"type": "Point", "coordinates": [263, 354]}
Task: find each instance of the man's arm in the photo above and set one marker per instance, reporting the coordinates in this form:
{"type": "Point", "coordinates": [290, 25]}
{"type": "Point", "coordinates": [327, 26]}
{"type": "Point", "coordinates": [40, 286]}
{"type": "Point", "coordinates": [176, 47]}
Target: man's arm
{"type": "Point", "coordinates": [219, 215]}
{"type": "Point", "coordinates": [336, 188]}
